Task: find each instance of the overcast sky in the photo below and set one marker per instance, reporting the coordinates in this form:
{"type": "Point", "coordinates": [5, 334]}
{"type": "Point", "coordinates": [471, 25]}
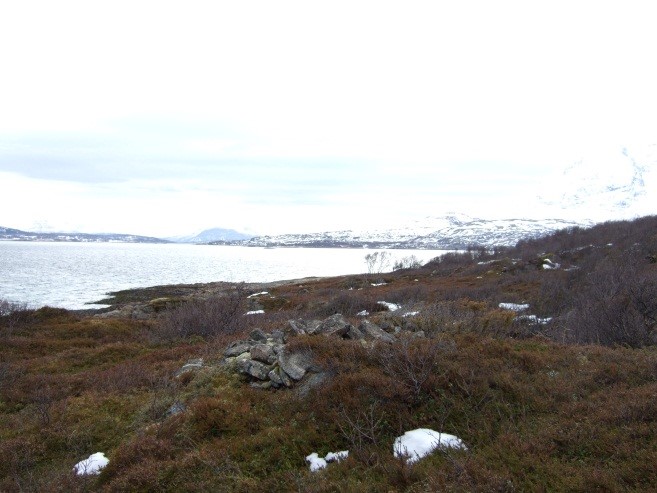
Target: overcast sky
{"type": "Point", "coordinates": [164, 118]}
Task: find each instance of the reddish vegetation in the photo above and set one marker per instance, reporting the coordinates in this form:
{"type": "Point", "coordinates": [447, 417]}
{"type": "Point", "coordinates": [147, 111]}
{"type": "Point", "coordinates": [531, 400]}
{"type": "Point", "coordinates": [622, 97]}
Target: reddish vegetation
{"type": "Point", "coordinates": [568, 405]}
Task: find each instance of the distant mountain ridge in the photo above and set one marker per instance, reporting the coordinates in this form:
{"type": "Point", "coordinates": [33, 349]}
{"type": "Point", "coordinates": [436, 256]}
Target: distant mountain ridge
{"type": "Point", "coordinates": [216, 235]}
{"type": "Point", "coordinates": [10, 234]}
{"type": "Point", "coordinates": [443, 233]}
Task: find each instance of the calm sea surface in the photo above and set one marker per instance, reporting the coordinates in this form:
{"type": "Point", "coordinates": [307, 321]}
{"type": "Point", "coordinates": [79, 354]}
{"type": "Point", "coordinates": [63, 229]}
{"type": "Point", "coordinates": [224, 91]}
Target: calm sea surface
{"type": "Point", "coordinates": [72, 275]}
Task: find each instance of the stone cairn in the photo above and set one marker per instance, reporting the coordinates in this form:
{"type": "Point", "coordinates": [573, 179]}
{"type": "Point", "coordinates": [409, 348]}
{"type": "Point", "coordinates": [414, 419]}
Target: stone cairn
{"type": "Point", "coordinates": [266, 361]}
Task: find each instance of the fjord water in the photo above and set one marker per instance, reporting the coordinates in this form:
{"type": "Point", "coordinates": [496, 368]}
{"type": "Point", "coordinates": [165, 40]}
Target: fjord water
{"type": "Point", "coordinates": [72, 275]}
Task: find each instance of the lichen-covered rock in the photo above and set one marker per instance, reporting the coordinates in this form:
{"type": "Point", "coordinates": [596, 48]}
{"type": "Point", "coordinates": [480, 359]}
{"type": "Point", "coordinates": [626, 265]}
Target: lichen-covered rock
{"type": "Point", "coordinates": [373, 331]}
{"type": "Point", "coordinates": [301, 327]}
{"type": "Point", "coordinates": [263, 353]}
{"type": "Point", "coordinates": [255, 369]}
{"type": "Point", "coordinates": [193, 364]}
{"type": "Point", "coordinates": [275, 377]}
{"type": "Point", "coordinates": [355, 334]}
{"type": "Point", "coordinates": [335, 325]}
{"type": "Point", "coordinates": [261, 385]}
{"type": "Point", "coordinates": [258, 335]}
{"type": "Point", "coordinates": [287, 381]}
{"type": "Point", "coordinates": [312, 381]}
{"type": "Point", "coordinates": [236, 348]}
{"type": "Point", "coordinates": [296, 327]}
{"type": "Point", "coordinates": [277, 337]}
{"type": "Point", "coordinates": [295, 365]}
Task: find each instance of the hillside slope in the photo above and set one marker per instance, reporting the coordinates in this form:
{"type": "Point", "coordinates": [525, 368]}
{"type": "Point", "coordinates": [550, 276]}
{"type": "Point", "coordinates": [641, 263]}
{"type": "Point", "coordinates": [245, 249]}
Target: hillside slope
{"type": "Point", "coordinates": [540, 358]}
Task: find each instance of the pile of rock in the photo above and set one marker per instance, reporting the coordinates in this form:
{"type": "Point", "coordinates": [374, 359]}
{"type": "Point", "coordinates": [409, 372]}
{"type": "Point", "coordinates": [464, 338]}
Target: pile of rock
{"type": "Point", "coordinates": [337, 325]}
{"type": "Point", "coordinates": [264, 359]}
{"type": "Point", "coordinates": [267, 361]}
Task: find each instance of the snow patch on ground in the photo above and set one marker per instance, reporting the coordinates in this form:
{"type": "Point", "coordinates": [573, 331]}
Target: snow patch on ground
{"type": "Point", "coordinates": [258, 294]}
{"type": "Point", "coordinates": [364, 313]}
{"type": "Point", "coordinates": [416, 444]}
{"type": "Point", "coordinates": [410, 314]}
{"type": "Point", "coordinates": [513, 307]}
{"type": "Point", "coordinates": [337, 456]}
{"type": "Point", "coordinates": [255, 312]}
{"type": "Point", "coordinates": [317, 463]}
{"type": "Point", "coordinates": [92, 465]}
{"type": "Point", "coordinates": [549, 265]}
{"type": "Point", "coordinates": [390, 306]}
{"type": "Point", "coordinates": [376, 285]}
{"type": "Point", "coordinates": [533, 319]}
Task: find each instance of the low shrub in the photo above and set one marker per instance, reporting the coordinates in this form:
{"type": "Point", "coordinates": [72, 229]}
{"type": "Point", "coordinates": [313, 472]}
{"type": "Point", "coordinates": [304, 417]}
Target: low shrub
{"type": "Point", "coordinates": [11, 315]}
{"type": "Point", "coordinates": [205, 318]}
{"type": "Point", "coordinates": [349, 304]}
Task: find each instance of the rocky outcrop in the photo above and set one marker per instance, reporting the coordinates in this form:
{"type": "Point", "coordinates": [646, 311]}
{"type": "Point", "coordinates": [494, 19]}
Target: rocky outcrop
{"type": "Point", "coordinates": [267, 361]}
{"type": "Point", "coordinates": [191, 365]}
{"type": "Point", "coordinates": [135, 312]}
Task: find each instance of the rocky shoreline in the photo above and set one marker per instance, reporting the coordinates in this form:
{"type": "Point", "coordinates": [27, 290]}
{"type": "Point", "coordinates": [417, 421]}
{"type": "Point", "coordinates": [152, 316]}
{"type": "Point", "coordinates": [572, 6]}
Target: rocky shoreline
{"type": "Point", "coordinates": [144, 303]}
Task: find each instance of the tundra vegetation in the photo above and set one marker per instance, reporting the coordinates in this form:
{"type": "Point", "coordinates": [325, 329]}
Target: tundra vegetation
{"type": "Point", "coordinates": [559, 395]}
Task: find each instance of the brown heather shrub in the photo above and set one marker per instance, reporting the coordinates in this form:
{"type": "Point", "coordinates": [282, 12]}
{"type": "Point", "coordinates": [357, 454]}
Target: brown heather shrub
{"type": "Point", "coordinates": [464, 315]}
{"type": "Point", "coordinates": [409, 294]}
{"type": "Point", "coordinates": [415, 363]}
{"type": "Point", "coordinates": [616, 305]}
{"type": "Point", "coordinates": [141, 448]}
{"type": "Point", "coordinates": [12, 315]}
{"type": "Point", "coordinates": [205, 318]}
{"type": "Point", "coordinates": [19, 455]}
{"type": "Point", "coordinates": [124, 377]}
{"type": "Point", "coordinates": [53, 315]}
{"type": "Point", "coordinates": [349, 303]}
{"type": "Point", "coordinates": [210, 417]}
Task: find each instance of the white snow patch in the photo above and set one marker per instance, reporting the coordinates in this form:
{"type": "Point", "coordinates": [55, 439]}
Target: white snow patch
{"type": "Point", "coordinates": [549, 265]}
{"type": "Point", "coordinates": [337, 456]}
{"type": "Point", "coordinates": [410, 314]}
{"type": "Point", "coordinates": [258, 294]}
{"type": "Point", "coordinates": [416, 444]}
{"type": "Point", "coordinates": [534, 319]}
{"type": "Point", "coordinates": [316, 463]}
{"type": "Point", "coordinates": [255, 312]}
{"type": "Point", "coordinates": [364, 313]}
{"type": "Point", "coordinates": [92, 465]}
{"type": "Point", "coordinates": [513, 307]}
{"type": "Point", "coordinates": [390, 306]}
{"type": "Point", "coordinates": [376, 285]}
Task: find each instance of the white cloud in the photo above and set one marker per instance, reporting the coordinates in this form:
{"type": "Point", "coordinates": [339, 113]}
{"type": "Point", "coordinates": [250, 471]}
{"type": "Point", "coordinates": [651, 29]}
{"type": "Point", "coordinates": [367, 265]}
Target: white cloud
{"type": "Point", "coordinates": [296, 111]}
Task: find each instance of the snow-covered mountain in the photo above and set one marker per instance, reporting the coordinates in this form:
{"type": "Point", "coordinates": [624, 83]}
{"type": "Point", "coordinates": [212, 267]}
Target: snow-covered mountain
{"type": "Point", "coordinates": [608, 184]}
{"type": "Point", "coordinates": [617, 183]}
{"type": "Point", "coordinates": [10, 234]}
{"type": "Point", "coordinates": [217, 235]}
{"type": "Point", "coordinates": [449, 232]}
